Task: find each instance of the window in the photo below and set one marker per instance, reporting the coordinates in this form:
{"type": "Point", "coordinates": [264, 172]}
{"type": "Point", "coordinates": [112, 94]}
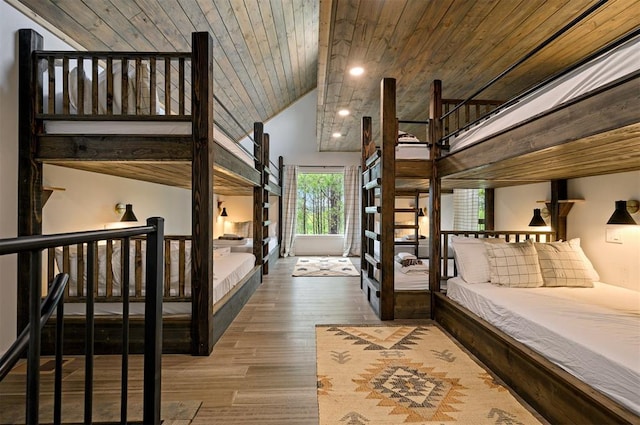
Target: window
{"type": "Point", "coordinates": [320, 208]}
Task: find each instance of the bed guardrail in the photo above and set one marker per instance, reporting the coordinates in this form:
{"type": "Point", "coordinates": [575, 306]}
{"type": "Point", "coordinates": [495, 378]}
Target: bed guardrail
{"type": "Point", "coordinates": [113, 85]}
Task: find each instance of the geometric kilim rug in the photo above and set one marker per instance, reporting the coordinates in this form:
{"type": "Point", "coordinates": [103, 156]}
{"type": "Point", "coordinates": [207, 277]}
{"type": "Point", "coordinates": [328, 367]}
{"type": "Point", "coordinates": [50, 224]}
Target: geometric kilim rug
{"type": "Point", "coordinates": [324, 266]}
{"type": "Point", "coordinates": [406, 375]}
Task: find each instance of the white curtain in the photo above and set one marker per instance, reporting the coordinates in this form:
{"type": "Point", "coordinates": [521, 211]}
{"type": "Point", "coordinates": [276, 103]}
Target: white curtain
{"type": "Point", "coordinates": [466, 209]}
{"type": "Point", "coordinates": [289, 204]}
{"type": "Point", "coordinates": [352, 237]}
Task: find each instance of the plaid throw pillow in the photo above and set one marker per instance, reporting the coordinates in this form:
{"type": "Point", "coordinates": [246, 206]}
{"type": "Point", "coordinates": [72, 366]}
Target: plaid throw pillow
{"type": "Point", "coordinates": [560, 265]}
{"type": "Point", "coordinates": [514, 265]}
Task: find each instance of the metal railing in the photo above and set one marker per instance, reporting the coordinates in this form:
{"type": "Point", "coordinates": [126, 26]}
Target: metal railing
{"type": "Point", "coordinates": [39, 312]}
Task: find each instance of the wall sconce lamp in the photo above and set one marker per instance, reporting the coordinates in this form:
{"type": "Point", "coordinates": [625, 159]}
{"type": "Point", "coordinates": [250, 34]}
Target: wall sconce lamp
{"type": "Point", "coordinates": [223, 213]}
{"type": "Point", "coordinates": [126, 211]}
{"type": "Point", "coordinates": [623, 211]}
{"type": "Point", "coordinates": [421, 212]}
{"type": "Point", "coordinates": [537, 220]}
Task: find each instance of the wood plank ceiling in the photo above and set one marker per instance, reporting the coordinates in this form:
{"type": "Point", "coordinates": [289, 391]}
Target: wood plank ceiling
{"type": "Point", "coordinates": [463, 43]}
{"type": "Point", "coordinates": [269, 53]}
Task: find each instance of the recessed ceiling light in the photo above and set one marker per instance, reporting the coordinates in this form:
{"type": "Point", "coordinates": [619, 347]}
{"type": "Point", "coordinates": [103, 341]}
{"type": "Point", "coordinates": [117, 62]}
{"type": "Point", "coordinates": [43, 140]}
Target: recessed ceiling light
{"type": "Point", "coordinates": [343, 112]}
{"type": "Point", "coordinates": [336, 135]}
{"type": "Point", "coordinates": [356, 71]}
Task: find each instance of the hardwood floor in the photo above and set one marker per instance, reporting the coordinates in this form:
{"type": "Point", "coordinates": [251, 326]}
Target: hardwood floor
{"type": "Point", "coordinates": [262, 371]}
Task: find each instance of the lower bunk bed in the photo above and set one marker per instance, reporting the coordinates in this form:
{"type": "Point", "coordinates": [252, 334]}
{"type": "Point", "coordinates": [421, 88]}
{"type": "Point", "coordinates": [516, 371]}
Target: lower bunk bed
{"type": "Point", "coordinates": [569, 350]}
{"type": "Point", "coordinates": [236, 277]}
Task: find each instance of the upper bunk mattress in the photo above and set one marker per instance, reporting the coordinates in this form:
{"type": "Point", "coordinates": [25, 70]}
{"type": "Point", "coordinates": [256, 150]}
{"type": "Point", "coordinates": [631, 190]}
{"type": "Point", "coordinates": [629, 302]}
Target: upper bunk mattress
{"type": "Point", "coordinates": [592, 333]}
{"type": "Point", "coordinates": [604, 69]}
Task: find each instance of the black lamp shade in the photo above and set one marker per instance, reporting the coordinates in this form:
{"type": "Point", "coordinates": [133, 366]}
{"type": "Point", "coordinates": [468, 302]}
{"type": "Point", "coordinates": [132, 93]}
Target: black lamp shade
{"type": "Point", "coordinates": [128, 214]}
{"type": "Point", "coordinates": [420, 212]}
{"type": "Point", "coordinates": [223, 213]}
{"type": "Point", "coordinates": [537, 220]}
{"type": "Point", "coordinates": [621, 215]}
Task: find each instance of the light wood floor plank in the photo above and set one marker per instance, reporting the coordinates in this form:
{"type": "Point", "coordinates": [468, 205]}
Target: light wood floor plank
{"type": "Point", "coordinates": [262, 371]}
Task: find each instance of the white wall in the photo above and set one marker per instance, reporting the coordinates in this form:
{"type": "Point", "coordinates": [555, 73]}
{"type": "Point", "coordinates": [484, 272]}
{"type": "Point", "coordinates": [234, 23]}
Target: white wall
{"type": "Point", "coordinates": [88, 201]}
{"type": "Point", "coordinates": [618, 264]}
{"type": "Point", "coordinates": [292, 135]}
{"type": "Point", "coordinates": [10, 21]}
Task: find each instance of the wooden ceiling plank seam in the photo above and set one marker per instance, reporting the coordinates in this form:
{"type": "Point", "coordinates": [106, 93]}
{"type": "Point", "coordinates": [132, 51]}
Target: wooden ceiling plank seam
{"type": "Point", "coordinates": [311, 13]}
{"type": "Point", "coordinates": [298, 21]}
{"type": "Point", "coordinates": [229, 76]}
{"type": "Point", "coordinates": [118, 23]}
{"type": "Point", "coordinates": [154, 12]}
{"type": "Point", "coordinates": [289, 19]}
{"type": "Point", "coordinates": [266, 12]}
{"type": "Point", "coordinates": [241, 57]}
{"type": "Point", "coordinates": [258, 24]}
{"type": "Point", "coordinates": [243, 18]}
{"type": "Point", "coordinates": [57, 16]}
{"type": "Point", "coordinates": [518, 46]}
{"type": "Point", "coordinates": [281, 41]}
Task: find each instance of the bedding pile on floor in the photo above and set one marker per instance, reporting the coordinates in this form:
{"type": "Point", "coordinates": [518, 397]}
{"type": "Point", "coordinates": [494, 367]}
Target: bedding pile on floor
{"type": "Point", "coordinates": [406, 374]}
{"type": "Point", "coordinates": [324, 266]}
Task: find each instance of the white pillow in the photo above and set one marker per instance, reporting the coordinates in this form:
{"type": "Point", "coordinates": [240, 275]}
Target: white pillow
{"type": "Point", "coordinates": [593, 274]}
{"type": "Point", "coordinates": [514, 265]}
{"type": "Point", "coordinates": [560, 265]}
{"type": "Point", "coordinates": [406, 256]}
{"type": "Point", "coordinates": [471, 258]}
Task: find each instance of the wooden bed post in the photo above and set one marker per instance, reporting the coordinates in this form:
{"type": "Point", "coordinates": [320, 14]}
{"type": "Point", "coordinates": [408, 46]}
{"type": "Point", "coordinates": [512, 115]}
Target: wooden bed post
{"type": "Point", "coordinates": [258, 192]}
{"type": "Point", "coordinates": [202, 194]}
{"type": "Point", "coordinates": [489, 209]}
{"type": "Point", "coordinates": [559, 210]}
{"type": "Point", "coordinates": [387, 197]}
{"type": "Point", "coordinates": [29, 170]}
{"type": "Point", "coordinates": [281, 184]}
{"type": "Point", "coordinates": [435, 134]}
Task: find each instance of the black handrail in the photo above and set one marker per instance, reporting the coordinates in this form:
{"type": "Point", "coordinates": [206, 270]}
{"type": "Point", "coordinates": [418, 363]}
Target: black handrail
{"type": "Point", "coordinates": [32, 246]}
{"type": "Point", "coordinates": [537, 49]}
{"type": "Point", "coordinates": [11, 357]}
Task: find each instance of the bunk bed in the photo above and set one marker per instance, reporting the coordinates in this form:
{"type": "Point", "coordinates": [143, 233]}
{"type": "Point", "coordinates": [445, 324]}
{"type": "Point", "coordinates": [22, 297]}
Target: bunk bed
{"type": "Point", "coordinates": [398, 166]}
{"type": "Point", "coordinates": [592, 133]}
{"type": "Point", "coordinates": [146, 116]}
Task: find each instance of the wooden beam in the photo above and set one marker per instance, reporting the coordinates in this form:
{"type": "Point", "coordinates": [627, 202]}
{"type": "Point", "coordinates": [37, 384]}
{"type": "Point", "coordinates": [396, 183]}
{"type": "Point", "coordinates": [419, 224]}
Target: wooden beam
{"type": "Point", "coordinates": [389, 133]}
{"type": "Point", "coordinates": [29, 170]}
{"type": "Point", "coordinates": [202, 194]}
{"type": "Point", "coordinates": [558, 220]}
{"type": "Point", "coordinates": [435, 186]}
{"type": "Point", "coordinates": [258, 191]}
{"type": "Point", "coordinates": [489, 209]}
{"type": "Point", "coordinates": [114, 148]}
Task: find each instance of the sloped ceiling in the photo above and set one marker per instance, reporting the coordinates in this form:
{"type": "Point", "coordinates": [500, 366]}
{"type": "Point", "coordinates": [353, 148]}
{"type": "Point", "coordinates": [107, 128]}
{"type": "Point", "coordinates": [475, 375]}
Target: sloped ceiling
{"type": "Point", "coordinates": [270, 53]}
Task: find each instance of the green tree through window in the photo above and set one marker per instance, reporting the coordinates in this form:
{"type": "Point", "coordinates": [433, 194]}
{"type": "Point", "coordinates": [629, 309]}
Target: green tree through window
{"type": "Point", "coordinates": [320, 204]}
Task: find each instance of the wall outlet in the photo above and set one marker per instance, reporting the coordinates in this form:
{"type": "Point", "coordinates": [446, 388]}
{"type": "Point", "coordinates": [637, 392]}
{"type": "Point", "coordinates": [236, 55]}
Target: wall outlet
{"type": "Point", "coordinates": [613, 235]}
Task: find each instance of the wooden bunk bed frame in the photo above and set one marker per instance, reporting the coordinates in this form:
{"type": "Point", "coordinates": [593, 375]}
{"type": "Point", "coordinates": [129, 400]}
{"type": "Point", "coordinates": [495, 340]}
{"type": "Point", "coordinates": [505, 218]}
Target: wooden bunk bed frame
{"type": "Point", "coordinates": [384, 177]}
{"type": "Point", "coordinates": [594, 134]}
{"type": "Point", "coordinates": [193, 160]}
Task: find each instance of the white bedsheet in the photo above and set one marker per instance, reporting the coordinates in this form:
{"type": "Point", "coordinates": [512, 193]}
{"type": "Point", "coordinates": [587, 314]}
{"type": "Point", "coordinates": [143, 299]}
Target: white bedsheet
{"type": "Point", "coordinates": [592, 333]}
{"type": "Point", "coordinates": [598, 72]}
{"type": "Point", "coordinates": [247, 246]}
{"type": "Point", "coordinates": [413, 281]}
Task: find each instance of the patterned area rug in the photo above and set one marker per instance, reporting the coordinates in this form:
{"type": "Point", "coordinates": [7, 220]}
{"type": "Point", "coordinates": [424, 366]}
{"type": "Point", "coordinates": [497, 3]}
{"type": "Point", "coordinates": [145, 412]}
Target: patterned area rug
{"type": "Point", "coordinates": [406, 374]}
{"type": "Point", "coordinates": [324, 266]}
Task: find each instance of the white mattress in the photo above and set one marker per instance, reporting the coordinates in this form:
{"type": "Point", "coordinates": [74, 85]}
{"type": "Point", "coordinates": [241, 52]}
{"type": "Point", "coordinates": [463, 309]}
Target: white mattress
{"type": "Point", "coordinates": [228, 271]}
{"type": "Point", "coordinates": [598, 72]}
{"type": "Point", "coordinates": [412, 151]}
{"type": "Point", "coordinates": [592, 333]}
